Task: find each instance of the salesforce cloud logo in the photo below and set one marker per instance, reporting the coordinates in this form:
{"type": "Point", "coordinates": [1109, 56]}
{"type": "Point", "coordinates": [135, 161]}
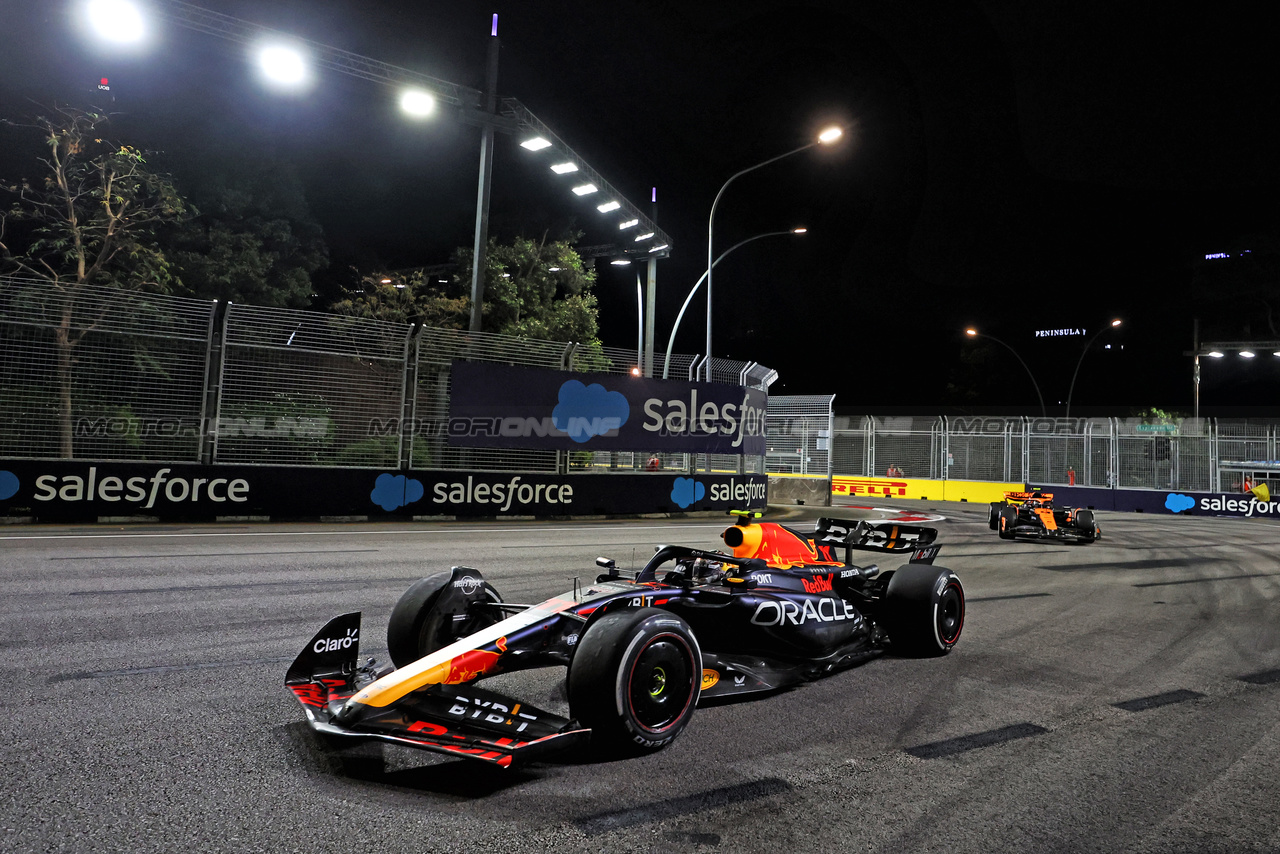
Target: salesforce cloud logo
{"type": "Point", "coordinates": [589, 410]}
{"type": "Point", "coordinates": [686, 491]}
{"type": "Point", "coordinates": [392, 491]}
{"type": "Point", "coordinates": [8, 485]}
{"type": "Point", "coordinates": [1177, 502]}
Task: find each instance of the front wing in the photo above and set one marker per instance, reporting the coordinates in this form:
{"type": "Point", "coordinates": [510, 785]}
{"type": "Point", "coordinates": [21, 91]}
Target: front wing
{"type": "Point", "coordinates": [458, 720]}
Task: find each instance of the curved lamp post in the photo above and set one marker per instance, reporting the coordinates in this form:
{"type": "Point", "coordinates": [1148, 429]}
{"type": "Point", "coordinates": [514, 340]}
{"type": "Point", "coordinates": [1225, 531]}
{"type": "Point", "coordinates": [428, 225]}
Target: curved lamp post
{"type": "Point", "coordinates": [666, 364]}
{"type": "Point", "coordinates": [1087, 345]}
{"type": "Point", "coordinates": [973, 333]}
{"type": "Point", "coordinates": [828, 136]}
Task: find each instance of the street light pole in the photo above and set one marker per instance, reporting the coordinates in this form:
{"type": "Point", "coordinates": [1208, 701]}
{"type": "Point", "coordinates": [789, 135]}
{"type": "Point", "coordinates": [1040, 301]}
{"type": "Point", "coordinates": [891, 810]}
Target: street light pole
{"type": "Point", "coordinates": [827, 136]}
{"type": "Point", "coordinates": [1087, 345]}
{"type": "Point", "coordinates": [666, 364]}
{"type": "Point", "coordinates": [973, 333]}
{"type": "Point", "coordinates": [481, 246]}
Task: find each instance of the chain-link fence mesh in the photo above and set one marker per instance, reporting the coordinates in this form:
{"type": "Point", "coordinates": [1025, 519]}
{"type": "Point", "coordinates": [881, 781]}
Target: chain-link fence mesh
{"type": "Point", "coordinates": [100, 373]}
{"type": "Point", "coordinates": [798, 435]}
{"type": "Point", "coordinates": [1186, 454]}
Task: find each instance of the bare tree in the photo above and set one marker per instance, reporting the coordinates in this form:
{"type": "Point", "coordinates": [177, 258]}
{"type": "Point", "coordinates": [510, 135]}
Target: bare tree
{"type": "Point", "coordinates": [90, 219]}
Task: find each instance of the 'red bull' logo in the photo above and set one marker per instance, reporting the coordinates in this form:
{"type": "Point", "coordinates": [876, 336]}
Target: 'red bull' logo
{"type": "Point", "coordinates": [469, 666]}
{"type": "Point", "coordinates": [819, 584]}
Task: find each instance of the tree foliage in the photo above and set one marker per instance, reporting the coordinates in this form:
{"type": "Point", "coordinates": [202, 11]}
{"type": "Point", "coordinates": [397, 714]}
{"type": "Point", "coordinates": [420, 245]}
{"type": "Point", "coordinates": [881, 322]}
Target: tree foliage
{"type": "Point", "coordinates": [253, 239]}
{"type": "Point", "coordinates": [533, 289]}
{"type": "Point", "coordinates": [93, 215]}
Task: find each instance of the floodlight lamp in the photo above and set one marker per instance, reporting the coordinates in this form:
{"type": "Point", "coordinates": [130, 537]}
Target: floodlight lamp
{"type": "Point", "coordinates": [800, 230]}
{"type": "Point", "coordinates": [830, 135]}
{"type": "Point", "coordinates": [635, 372]}
{"type": "Point", "coordinates": [585, 189]}
{"type": "Point", "coordinates": [283, 65]}
{"type": "Point", "coordinates": [1115, 322]}
{"type": "Point", "coordinates": [553, 269]}
{"type": "Point", "coordinates": [971, 332]}
{"type": "Point", "coordinates": [118, 21]}
{"type": "Point", "coordinates": [631, 223]}
{"type": "Point", "coordinates": [563, 168]}
{"type": "Point", "coordinates": [1246, 354]}
{"type": "Point", "coordinates": [646, 236]}
{"type": "Point", "coordinates": [386, 281]}
{"type": "Point", "coordinates": [417, 103]}
{"type": "Point", "coordinates": [621, 262]}
{"type": "Point", "coordinates": [1217, 354]}
{"type": "Point", "coordinates": [536, 144]}
{"type": "Point", "coordinates": [659, 247]}
{"type": "Point", "coordinates": [608, 206]}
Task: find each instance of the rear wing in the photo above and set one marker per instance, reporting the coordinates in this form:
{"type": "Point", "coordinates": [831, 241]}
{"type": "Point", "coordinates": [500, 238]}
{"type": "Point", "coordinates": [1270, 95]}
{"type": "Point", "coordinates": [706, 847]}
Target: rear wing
{"type": "Point", "coordinates": [1023, 496]}
{"type": "Point", "coordinates": [852, 534]}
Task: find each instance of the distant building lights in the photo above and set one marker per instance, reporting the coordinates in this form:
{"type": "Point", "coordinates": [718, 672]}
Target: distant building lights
{"type": "Point", "coordinates": [417, 103]}
{"type": "Point", "coordinates": [564, 168]}
{"type": "Point", "coordinates": [536, 144]}
{"type": "Point", "coordinates": [585, 189]}
{"type": "Point", "coordinates": [608, 206]}
{"type": "Point", "coordinates": [1213, 255]}
{"type": "Point", "coordinates": [631, 223]}
{"type": "Point", "coordinates": [553, 269]}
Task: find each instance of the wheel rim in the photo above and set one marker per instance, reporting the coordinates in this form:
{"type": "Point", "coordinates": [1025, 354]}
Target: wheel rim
{"type": "Point", "coordinates": [661, 684]}
{"type": "Point", "coordinates": [950, 613]}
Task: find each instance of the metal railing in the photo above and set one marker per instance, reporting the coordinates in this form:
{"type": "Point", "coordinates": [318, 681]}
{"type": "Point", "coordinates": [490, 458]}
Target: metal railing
{"type": "Point", "coordinates": [106, 374]}
{"type": "Point", "coordinates": [1185, 454]}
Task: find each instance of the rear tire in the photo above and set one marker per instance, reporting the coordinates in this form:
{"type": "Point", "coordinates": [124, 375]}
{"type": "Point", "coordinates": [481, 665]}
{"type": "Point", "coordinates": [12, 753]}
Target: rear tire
{"type": "Point", "coordinates": [924, 610]}
{"type": "Point", "coordinates": [635, 679]}
{"type": "Point", "coordinates": [1008, 521]}
{"type": "Point", "coordinates": [993, 516]}
{"type": "Point", "coordinates": [418, 627]}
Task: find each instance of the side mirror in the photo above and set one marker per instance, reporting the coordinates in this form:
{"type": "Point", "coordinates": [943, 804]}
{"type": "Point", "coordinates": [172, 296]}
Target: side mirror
{"type": "Point", "coordinates": [608, 564]}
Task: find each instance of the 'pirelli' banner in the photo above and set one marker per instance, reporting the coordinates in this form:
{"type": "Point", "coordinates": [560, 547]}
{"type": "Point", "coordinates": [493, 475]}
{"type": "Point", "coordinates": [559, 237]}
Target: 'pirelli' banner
{"type": "Point", "coordinates": [497, 406]}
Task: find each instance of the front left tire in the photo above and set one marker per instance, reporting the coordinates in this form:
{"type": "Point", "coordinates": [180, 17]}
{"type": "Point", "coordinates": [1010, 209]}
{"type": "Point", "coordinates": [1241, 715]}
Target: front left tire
{"type": "Point", "coordinates": [635, 679]}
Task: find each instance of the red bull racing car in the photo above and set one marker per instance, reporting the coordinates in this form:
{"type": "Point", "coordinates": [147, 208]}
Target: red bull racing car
{"type": "Point", "coordinates": [642, 649]}
{"type": "Point", "coordinates": [1031, 515]}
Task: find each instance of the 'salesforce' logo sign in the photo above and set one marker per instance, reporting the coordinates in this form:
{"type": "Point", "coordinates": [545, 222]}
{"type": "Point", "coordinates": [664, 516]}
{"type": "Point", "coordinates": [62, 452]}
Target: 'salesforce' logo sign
{"type": "Point", "coordinates": [136, 490]}
{"type": "Point", "coordinates": [583, 412]}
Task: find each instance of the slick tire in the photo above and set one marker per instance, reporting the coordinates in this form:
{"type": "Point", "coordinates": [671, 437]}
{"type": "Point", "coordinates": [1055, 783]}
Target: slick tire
{"type": "Point", "coordinates": [924, 610]}
{"type": "Point", "coordinates": [635, 680]}
{"type": "Point", "coordinates": [418, 627]}
{"type": "Point", "coordinates": [1008, 520]}
{"type": "Point", "coordinates": [1086, 523]}
{"type": "Point", "coordinates": [993, 516]}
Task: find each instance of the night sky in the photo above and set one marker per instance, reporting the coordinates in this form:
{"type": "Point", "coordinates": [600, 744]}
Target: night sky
{"type": "Point", "coordinates": [1015, 166]}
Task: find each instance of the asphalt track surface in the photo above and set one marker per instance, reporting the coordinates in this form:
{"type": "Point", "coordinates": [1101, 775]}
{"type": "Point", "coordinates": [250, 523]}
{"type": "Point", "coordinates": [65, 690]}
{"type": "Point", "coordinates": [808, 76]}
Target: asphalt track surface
{"type": "Point", "coordinates": [1122, 696]}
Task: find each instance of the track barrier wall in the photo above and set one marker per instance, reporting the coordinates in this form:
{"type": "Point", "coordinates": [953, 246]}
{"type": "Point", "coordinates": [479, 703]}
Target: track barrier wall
{"type": "Point", "coordinates": [62, 491]}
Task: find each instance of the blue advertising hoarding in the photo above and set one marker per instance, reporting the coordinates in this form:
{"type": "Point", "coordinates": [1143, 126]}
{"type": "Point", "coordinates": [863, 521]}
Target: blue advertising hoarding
{"type": "Point", "coordinates": [499, 406]}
